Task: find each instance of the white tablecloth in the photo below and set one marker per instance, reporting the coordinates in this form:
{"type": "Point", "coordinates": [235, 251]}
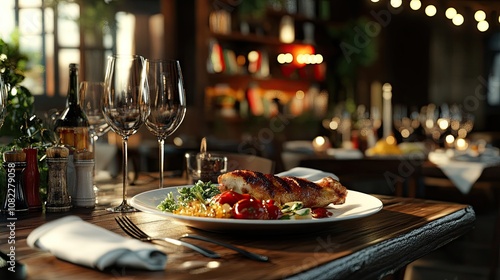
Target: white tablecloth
{"type": "Point", "coordinates": [462, 169]}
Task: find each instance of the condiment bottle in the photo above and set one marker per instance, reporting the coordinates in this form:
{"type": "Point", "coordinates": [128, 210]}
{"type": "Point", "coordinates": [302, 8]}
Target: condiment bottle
{"type": "Point", "coordinates": [57, 193]}
{"type": "Point", "coordinates": [15, 199]}
{"type": "Point", "coordinates": [84, 167]}
{"type": "Point", "coordinates": [73, 127]}
{"type": "Point", "coordinates": [32, 179]}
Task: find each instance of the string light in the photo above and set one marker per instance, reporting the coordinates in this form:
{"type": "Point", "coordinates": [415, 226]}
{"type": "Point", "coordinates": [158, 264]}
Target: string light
{"type": "Point", "coordinates": [396, 3]}
{"type": "Point", "coordinates": [415, 4]}
{"type": "Point", "coordinates": [483, 26]}
{"type": "Point", "coordinates": [430, 10]}
{"type": "Point", "coordinates": [458, 20]}
{"type": "Point", "coordinates": [479, 15]}
{"type": "Point", "coordinates": [450, 13]}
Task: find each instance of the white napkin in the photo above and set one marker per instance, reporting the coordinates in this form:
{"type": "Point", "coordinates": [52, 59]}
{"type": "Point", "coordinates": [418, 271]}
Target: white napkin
{"type": "Point", "coordinates": [74, 240]}
{"type": "Point", "coordinates": [462, 173]}
{"type": "Point", "coordinates": [345, 153]}
{"type": "Point", "coordinates": [307, 173]}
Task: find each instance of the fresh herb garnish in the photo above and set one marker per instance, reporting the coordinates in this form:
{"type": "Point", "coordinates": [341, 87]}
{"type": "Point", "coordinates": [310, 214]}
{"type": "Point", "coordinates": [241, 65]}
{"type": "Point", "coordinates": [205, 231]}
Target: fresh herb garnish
{"type": "Point", "coordinates": [201, 191]}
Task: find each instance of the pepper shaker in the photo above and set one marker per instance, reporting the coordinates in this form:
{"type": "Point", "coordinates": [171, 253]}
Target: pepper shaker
{"type": "Point", "coordinates": [15, 198]}
{"type": "Point", "coordinates": [84, 191]}
{"type": "Point", "coordinates": [57, 192]}
{"type": "Point", "coordinates": [32, 180]}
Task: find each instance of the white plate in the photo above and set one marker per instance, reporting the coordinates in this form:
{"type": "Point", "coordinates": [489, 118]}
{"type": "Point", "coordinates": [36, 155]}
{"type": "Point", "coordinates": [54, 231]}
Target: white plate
{"type": "Point", "coordinates": [357, 205]}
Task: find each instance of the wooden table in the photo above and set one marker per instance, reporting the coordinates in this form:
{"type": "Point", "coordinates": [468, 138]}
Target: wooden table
{"type": "Point", "coordinates": [366, 248]}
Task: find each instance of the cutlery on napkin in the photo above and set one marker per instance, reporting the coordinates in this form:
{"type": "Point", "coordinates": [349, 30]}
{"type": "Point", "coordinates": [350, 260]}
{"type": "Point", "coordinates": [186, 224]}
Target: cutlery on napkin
{"type": "Point", "coordinates": [74, 240]}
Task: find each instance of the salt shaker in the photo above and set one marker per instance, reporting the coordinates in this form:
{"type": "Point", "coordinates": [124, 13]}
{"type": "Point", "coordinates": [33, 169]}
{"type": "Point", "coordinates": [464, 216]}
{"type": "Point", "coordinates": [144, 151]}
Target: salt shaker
{"type": "Point", "coordinates": [84, 192]}
{"type": "Point", "coordinates": [15, 198]}
{"type": "Point", "coordinates": [57, 192]}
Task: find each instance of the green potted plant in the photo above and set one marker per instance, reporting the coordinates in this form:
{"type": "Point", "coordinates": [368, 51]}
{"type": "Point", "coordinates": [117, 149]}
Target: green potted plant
{"type": "Point", "coordinates": [21, 128]}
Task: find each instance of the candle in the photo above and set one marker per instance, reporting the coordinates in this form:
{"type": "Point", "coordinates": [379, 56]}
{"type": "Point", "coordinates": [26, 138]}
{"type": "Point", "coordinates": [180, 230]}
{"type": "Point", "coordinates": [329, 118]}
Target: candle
{"type": "Point", "coordinates": [387, 109]}
{"type": "Point", "coordinates": [376, 104]}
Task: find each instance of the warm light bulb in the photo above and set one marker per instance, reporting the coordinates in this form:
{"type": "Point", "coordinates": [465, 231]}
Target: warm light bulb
{"type": "Point", "coordinates": [285, 58]}
{"type": "Point", "coordinates": [458, 19]}
{"type": "Point", "coordinates": [281, 58]}
{"type": "Point", "coordinates": [479, 15]}
{"type": "Point", "coordinates": [396, 3]}
{"type": "Point", "coordinates": [450, 13]}
{"type": "Point", "coordinates": [391, 140]}
{"type": "Point", "coordinates": [375, 1]}
{"type": "Point", "coordinates": [443, 123]}
{"type": "Point", "coordinates": [430, 10]}
{"type": "Point", "coordinates": [319, 58]}
{"type": "Point", "coordinates": [483, 26]}
{"type": "Point", "coordinates": [450, 139]}
{"type": "Point", "coordinates": [461, 144]}
{"type": "Point", "coordinates": [287, 29]}
{"type": "Point", "coordinates": [253, 56]}
{"type": "Point", "coordinates": [415, 4]}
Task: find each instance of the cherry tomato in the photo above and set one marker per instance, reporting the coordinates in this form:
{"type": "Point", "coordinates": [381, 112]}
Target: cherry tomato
{"type": "Point", "coordinates": [249, 208]}
{"type": "Point", "coordinates": [273, 211]}
{"type": "Point", "coordinates": [320, 212]}
{"type": "Point", "coordinates": [229, 197]}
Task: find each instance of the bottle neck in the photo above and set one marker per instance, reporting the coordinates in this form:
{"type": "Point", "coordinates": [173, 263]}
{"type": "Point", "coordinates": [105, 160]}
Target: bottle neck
{"type": "Point", "coordinates": [72, 99]}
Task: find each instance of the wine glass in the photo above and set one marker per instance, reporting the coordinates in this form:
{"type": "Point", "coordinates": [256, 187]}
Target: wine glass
{"type": "Point", "coordinates": [406, 121]}
{"type": "Point", "coordinates": [90, 95]}
{"type": "Point", "coordinates": [90, 99]}
{"type": "Point", "coordinates": [3, 100]}
{"type": "Point", "coordinates": [167, 101]}
{"type": "Point", "coordinates": [125, 105]}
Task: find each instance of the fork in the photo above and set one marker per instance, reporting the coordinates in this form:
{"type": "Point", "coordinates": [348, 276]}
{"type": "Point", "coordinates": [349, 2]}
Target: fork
{"type": "Point", "coordinates": [132, 230]}
{"type": "Point", "coordinates": [242, 252]}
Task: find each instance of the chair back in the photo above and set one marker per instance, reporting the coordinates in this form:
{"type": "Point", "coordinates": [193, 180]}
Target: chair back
{"type": "Point", "coordinates": [249, 162]}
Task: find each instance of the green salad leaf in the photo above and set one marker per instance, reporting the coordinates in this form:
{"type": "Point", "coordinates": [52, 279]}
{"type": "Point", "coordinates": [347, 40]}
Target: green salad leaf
{"type": "Point", "coordinates": [201, 191]}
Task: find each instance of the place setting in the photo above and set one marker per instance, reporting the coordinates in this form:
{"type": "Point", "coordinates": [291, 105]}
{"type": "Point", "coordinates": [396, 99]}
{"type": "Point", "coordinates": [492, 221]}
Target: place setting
{"type": "Point", "coordinates": [267, 139]}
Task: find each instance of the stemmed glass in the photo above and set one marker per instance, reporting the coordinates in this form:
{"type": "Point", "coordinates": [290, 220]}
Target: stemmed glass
{"type": "Point", "coordinates": [167, 102]}
{"type": "Point", "coordinates": [3, 101]}
{"type": "Point", "coordinates": [91, 94]}
{"type": "Point", "coordinates": [125, 105]}
{"type": "Point", "coordinates": [406, 122]}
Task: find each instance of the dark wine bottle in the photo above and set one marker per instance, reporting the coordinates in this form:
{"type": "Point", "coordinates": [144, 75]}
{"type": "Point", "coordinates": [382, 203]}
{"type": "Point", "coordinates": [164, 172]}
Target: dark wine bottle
{"type": "Point", "coordinates": [72, 126]}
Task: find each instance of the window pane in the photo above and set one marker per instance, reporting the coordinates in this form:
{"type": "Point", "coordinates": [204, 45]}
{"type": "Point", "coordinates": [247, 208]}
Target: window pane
{"type": "Point", "coordinates": [49, 65]}
{"type": "Point", "coordinates": [49, 20]}
{"type": "Point", "coordinates": [69, 33]}
{"type": "Point", "coordinates": [66, 56]}
{"type": "Point", "coordinates": [30, 3]}
{"type": "Point", "coordinates": [8, 21]}
{"type": "Point", "coordinates": [125, 33]}
{"type": "Point", "coordinates": [30, 21]}
{"type": "Point", "coordinates": [32, 47]}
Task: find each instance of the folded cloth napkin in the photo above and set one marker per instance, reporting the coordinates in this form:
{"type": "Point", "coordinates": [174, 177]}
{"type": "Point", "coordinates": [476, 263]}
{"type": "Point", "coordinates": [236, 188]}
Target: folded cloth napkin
{"type": "Point", "coordinates": [307, 173]}
{"type": "Point", "coordinates": [74, 240]}
{"type": "Point", "coordinates": [463, 173]}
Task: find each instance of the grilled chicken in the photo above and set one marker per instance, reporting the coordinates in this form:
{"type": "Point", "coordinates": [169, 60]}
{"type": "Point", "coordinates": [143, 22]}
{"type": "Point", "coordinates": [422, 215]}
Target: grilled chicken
{"type": "Point", "coordinates": [284, 189]}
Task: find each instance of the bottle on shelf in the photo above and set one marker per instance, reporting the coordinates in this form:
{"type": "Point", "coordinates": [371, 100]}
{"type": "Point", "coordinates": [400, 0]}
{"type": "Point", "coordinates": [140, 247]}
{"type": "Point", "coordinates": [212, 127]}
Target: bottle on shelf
{"type": "Point", "coordinates": [73, 127]}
